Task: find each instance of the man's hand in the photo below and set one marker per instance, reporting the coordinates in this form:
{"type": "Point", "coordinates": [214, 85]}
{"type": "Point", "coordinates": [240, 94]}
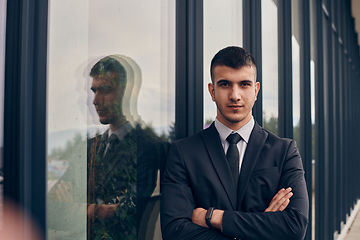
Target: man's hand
{"type": "Point", "coordinates": [280, 201]}
{"type": "Point", "coordinates": [101, 210]}
{"type": "Point", "coordinates": [199, 214]}
{"type": "Point", "coordinates": [198, 217]}
{"type": "Point", "coordinates": [65, 191]}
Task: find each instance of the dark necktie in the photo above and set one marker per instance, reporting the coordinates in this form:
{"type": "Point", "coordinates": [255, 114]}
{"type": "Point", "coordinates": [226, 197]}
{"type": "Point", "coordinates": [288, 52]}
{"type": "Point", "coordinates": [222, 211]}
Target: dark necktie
{"type": "Point", "coordinates": [233, 155]}
{"type": "Point", "coordinates": [113, 141]}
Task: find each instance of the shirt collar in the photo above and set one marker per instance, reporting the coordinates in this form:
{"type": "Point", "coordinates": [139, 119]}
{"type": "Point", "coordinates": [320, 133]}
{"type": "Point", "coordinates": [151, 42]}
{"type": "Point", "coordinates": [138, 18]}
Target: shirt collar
{"type": "Point", "coordinates": [244, 132]}
{"type": "Point", "coordinates": [122, 131]}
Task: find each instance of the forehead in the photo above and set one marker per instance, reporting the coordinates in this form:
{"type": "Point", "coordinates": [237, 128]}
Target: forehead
{"type": "Point", "coordinates": [102, 81]}
{"type": "Point", "coordinates": [232, 74]}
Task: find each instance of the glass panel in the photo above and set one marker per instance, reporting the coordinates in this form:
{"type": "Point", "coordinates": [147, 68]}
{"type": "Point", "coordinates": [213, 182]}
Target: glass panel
{"type": "Point", "coordinates": [296, 71]}
{"type": "Point", "coordinates": [111, 71]}
{"type": "Point", "coordinates": [2, 67]}
{"type": "Point", "coordinates": [219, 32]}
{"type": "Point", "coordinates": [312, 72]}
{"type": "Point", "coordinates": [270, 65]}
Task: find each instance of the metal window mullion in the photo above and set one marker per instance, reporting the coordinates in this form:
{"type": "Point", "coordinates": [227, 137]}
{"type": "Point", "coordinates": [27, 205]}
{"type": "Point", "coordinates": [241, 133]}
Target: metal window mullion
{"type": "Point", "coordinates": [319, 123]}
{"type": "Point", "coordinates": [330, 147]}
{"type": "Point", "coordinates": [252, 42]}
{"type": "Point", "coordinates": [285, 121]}
{"type": "Point", "coordinates": [305, 103]}
{"type": "Point", "coordinates": [25, 119]}
{"type": "Point", "coordinates": [189, 67]}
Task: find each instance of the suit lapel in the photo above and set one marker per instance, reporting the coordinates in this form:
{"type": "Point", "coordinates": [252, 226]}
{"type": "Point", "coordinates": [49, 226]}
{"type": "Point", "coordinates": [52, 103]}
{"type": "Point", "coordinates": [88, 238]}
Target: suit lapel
{"type": "Point", "coordinates": [253, 149]}
{"type": "Point", "coordinates": [213, 145]}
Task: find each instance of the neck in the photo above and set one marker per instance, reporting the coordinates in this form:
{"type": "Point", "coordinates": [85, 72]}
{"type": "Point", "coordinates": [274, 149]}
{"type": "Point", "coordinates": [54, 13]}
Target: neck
{"type": "Point", "coordinates": [236, 125]}
{"type": "Point", "coordinates": [118, 124]}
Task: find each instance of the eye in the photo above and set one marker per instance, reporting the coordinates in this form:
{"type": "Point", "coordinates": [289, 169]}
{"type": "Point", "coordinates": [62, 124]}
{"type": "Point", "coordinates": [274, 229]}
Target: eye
{"type": "Point", "coordinates": [223, 83]}
{"type": "Point", "coordinates": [245, 84]}
{"type": "Point", "coordinates": [105, 89]}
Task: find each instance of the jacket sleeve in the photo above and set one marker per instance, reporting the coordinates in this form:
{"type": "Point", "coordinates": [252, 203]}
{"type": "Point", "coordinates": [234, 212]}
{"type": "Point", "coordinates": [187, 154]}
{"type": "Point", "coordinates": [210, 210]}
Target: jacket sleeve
{"type": "Point", "coordinates": [288, 224]}
{"type": "Point", "coordinates": [177, 203]}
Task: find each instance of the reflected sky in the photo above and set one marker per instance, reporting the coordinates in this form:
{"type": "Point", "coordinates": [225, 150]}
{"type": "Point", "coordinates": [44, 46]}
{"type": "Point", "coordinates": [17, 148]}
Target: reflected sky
{"type": "Point", "coordinates": [81, 32]}
{"type": "Point", "coordinates": [269, 58]}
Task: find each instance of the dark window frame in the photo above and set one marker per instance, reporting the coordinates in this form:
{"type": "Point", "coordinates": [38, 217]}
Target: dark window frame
{"type": "Point", "coordinates": [25, 142]}
{"type": "Point", "coordinates": [25, 107]}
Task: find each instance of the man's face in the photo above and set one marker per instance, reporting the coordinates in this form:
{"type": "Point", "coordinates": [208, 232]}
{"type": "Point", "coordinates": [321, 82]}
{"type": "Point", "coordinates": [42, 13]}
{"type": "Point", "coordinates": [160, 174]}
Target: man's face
{"type": "Point", "coordinates": [234, 92]}
{"type": "Point", "coordinates": [107, 99]}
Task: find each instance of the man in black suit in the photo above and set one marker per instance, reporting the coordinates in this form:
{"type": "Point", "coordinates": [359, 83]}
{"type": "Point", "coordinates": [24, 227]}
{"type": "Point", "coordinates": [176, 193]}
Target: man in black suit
{"type": "Point", "coordinates": [215, 187]}
{"type": "Point", "coordinates": [122, 163]}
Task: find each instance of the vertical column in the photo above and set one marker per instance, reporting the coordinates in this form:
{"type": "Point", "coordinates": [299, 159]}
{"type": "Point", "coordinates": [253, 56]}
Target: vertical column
{"type": "Point", "coordinates": [327, 193]}
{"type": "Point", "coordinates": [25, 107]}
{"type": "Point", "coordinates": [319, 123]}
{"type": "Point", "coordinates": [305, 103]}
{"type": "Point", "coordinates": [189, 67]}
{"type": "Point", "coordinates": [285, 122]}
{"type": "Point", "coordinates": [252, 43]}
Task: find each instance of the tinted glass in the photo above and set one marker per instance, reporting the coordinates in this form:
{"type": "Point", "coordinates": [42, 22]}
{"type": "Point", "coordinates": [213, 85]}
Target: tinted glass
{"type": "Point", "coordinates": [296, 71]}
{"type": "Point", "coordinates": [111, 114]}
{"type": "Point", "coordinates": [270, 65]}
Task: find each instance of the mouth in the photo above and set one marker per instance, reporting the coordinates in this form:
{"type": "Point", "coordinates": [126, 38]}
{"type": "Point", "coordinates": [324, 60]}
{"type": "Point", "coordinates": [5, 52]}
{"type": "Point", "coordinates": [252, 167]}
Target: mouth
{"type": "Point", "coordinates": [101, 111]}
{"type": "Point", "coordinates": [235, 107]}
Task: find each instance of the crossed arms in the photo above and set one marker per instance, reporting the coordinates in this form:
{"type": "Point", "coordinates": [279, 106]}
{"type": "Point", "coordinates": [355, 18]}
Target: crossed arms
{"type": "Point", "coordinates": [187, 192]}
{"type": "Point", "coordinates": [279, 202]}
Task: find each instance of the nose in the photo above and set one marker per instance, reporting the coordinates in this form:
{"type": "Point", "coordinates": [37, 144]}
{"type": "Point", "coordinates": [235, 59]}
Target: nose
{"type": "Point", "coordinates": [235, 94]}
{"type": "Point", "coordinates": [96, 100]}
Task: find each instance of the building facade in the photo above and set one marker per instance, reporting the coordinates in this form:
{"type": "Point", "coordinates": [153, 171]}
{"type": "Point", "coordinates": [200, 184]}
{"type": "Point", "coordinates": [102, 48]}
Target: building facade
{"type": "Point", "coordinates": [307, 57]}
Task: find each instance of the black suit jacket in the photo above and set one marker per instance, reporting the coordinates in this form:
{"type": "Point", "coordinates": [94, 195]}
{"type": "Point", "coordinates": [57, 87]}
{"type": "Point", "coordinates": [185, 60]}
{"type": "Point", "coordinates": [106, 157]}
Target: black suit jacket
{"type": "Point", "coordinates": [197, 174]}
{"type": "Point", "coordinates": [127, 175]}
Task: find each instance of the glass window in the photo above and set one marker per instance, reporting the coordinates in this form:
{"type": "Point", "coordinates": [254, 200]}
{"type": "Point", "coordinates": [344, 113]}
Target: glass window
{"type": "Point", "coordinates": [270, 65]}
{"type": "Point", "coordinates": [312, 72]}
{"type": "Point", "coordinates": [2, 67]}
{"type": "Point", "coordinates": [111, 114]}
{"type": "Point", "coordinates": [222, 28]}
{"type": "Point", "coordinates": [296, 71]}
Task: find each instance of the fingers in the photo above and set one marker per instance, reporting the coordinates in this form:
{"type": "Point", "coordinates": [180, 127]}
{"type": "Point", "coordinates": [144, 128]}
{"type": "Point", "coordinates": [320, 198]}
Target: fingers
{"type": "Point", "coordinates": [91, 210]}
{"type": "Point", "coordinates": [284, 205]}
{"type": "Point", "coordinates": [64, 191]}
{"type": "Point", "coordinates": [280, 201]}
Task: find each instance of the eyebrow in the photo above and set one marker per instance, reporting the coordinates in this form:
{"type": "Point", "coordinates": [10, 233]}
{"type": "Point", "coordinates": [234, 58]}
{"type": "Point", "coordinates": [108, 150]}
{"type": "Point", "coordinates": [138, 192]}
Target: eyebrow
{"type": "Point", "coordinates": [247, 81]}
{"type": "Point", "coordinates": [222, 80]}
{"type": "Point", "coordinates": [227, 81]}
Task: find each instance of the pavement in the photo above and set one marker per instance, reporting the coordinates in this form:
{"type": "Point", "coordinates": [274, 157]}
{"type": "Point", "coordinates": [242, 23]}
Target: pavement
{"type": "Point", "coordinates": [354, 230]}
{"type": "Point", "coordinates": [351, 231]}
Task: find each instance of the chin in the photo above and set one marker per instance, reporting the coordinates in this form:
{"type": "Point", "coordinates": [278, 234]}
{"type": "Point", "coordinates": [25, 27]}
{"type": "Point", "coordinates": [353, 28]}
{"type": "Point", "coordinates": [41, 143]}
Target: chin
{"type": "Point", "coordinates": [104, 121]}
{"type": "Point", "coordinates": [237, 119]}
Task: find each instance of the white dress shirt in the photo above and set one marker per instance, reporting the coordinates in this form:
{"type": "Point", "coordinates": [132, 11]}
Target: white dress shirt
{"type": "Point", "coordinates": [120, 133]}
{"type": "Point", "coordinates": [244, 132]}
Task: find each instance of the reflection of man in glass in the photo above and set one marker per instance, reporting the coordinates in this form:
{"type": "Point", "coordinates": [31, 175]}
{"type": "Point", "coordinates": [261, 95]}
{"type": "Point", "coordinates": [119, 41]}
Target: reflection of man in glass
{"type": "Point", "coordinates": [108, 85]}
{"type": "Point", "coordinates": [122, 163]}
{"type": "Point", "coordinates": [122, 166]}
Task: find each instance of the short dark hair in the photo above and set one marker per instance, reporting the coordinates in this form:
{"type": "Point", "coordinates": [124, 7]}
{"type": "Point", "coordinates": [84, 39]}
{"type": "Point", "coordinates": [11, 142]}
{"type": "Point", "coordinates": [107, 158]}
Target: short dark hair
{"type": "Point", "coordinates": [109, 67]}
{"type": "Point", "coordinates": [232, 56]}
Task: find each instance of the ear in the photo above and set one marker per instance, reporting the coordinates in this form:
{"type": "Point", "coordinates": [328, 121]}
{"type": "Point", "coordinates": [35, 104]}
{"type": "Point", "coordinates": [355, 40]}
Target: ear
{"type": "Point", "coordinates": [257, 88]}
{"type": "Point", "coordinates": [211, 91]}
